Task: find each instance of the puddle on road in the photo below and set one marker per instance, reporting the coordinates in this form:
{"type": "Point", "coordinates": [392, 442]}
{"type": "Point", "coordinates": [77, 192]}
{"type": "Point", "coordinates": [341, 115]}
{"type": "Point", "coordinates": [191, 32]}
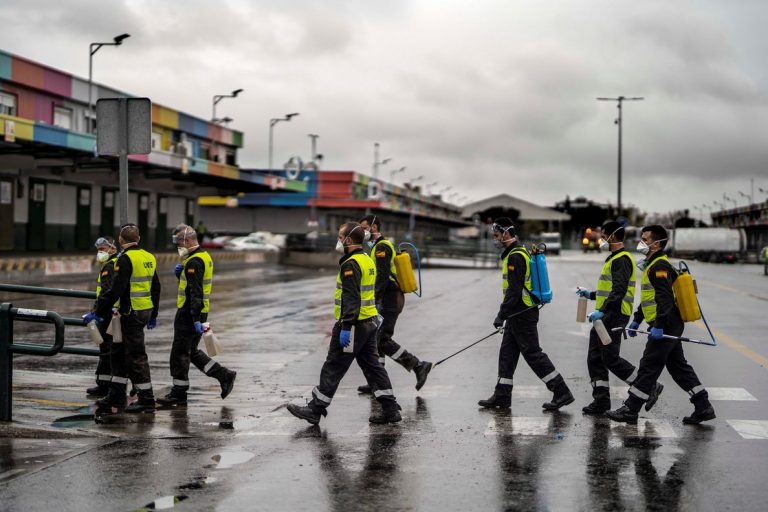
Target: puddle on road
{"type": "Point", "coordinates": [76, 420]}
{"type": "Point", "coordinates": [164, 503]}
{"type": "Point", "coordinates": [226, 460]}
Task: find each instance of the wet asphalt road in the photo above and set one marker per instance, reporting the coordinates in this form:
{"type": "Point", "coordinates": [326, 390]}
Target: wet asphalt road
{"type": "Point", "coordinates": [248, 453]}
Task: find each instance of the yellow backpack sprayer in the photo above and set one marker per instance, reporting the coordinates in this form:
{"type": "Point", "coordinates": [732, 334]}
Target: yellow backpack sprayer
{"type": "Point", "coordinates": [685, 290]}
{"type": "Point", "coordinates": [406, 278]}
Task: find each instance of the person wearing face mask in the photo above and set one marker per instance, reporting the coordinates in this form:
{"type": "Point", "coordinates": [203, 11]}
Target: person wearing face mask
{"type": "Point", "coordinates": [354, 334]}
{"type": "Point", "coordinates": [137, 287]}
{"type": "Point", "coordinates": [193, 304]}
{"type": "Point", "coordinates": [390, 301]}
{"type": "Point", "coordinates": [659, 310]}
{"type": "Point", "coordinates": [517, 319]}
{"type": "Point", "coordinates": [614, 298]}
{"type": "Point", "coordinates": [106, 256]}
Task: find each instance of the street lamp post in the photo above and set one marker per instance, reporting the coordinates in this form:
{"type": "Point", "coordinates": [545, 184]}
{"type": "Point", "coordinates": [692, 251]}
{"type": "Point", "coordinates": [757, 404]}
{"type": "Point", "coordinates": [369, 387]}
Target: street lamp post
{"type": "Point", "coordinates": [376, 162]}
{"type": "Point", "coordinates": [618, 121]}
{"type": "Point", "coordinates": [272, 123]}
{"type": "Point", "coordinates": [217, 98]}
{"type": "Point", "coordinates": [393, 172]}
{"type": "Point", "coordinates": [414, 180]}
{"type": "Point", "coordinates": [92, 49]}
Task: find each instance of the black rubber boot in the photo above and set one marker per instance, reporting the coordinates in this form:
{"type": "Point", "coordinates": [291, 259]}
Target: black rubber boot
{"type": "Point", "coordinates": [145, 403]}
{"type": "Point", "coordinates": [653, 396]}
{"type": "Point", "coordinates": [175, 398]}
{"type": "Point", "coordinates": [114, 398]}
{"type": "Point", "coordinates": [598, 407]}
{"type": "Point", "coordinates": [496, 402]}
{"type": "Point", "coordinates": [101, 389]}
{"type": "Point", "coordinates": [700, 414]}
{"type": "Point", "coordinates": [623, 414]}
{"type": "Point", "coordinates": [422, 370]}
{"type": "Point", "coordinates": [365, 390]}
{"type": "Point", "coordinates": [227, 381]}
{"type": "Point", "coordinates": [390, 413]}
{"type": "Point", "coordinates": [306, 412]}
{"type": "Point", "coordinates": [561, 398]}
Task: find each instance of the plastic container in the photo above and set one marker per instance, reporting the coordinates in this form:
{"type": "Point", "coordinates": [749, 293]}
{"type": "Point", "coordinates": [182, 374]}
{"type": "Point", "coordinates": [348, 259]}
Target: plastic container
{"type": "Point", "coordinates": [581, 310]}
{"type": "Point", "coordinates": [540, 287]}
{"type": "Point", "coordinates": [351, 347]}
{"type": "Point", "coordinates": [602, 332]}
{"type": "Point", "coordinates": [115, 330]}
{"type": "Point", "coordinates": [93, 328]}
{"type": "Point", "coordinates": [212, 344]}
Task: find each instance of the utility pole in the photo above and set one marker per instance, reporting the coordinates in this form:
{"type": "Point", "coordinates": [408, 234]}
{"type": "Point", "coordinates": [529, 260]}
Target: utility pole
{"type": "Point", "coordinates": [314, 145]}
{"type": "Point", "coordinates": [619, 122]}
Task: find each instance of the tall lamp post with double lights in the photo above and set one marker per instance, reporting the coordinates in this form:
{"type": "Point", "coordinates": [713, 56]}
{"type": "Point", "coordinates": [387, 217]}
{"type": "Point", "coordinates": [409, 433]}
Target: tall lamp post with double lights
{"type": "Point", "coordinates": [272, 123]}
{"type": "Point", "coordinates": [619, 122]}
{"type": "Point", "coordinates": [218, 97]}
{"type": "Point", "coordinates": [93, 48]}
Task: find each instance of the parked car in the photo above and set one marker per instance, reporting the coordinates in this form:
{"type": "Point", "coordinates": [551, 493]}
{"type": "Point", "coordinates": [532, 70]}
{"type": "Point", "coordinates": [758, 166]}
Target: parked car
{"type": "Point", "coordinates": [249, 243]}
{"type": "Point", "coordinates": [216, 243]}
{"type": "Point", "coordinates": [552, 240]}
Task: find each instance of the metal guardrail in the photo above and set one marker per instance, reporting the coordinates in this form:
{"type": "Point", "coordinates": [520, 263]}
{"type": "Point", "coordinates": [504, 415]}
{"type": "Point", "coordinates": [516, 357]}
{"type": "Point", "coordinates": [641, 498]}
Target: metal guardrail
{"type": "Point", "coordinates": [9, 314]}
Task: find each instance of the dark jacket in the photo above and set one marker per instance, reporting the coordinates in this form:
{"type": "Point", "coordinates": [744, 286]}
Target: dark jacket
{"type": "Point", "coordinates": [513, 298]}
{"type": "Point", "coordinates": [351, 276]}
{"type": "Point", "coordinates": [662, 276]}
{"type": "Point", "coordinates": [195, 272]}
{"type": "Point", "coordinates": [388, 294]}
{"type": "Point", "coordinates": [621, 271]}
{"type": "Point", "coordinates": [107, 276]}
{"type": "Point", "coordinates": [121, 289]}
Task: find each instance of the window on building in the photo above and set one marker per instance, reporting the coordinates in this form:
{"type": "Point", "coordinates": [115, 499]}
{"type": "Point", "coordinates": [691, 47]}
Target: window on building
{"type": "Point", "coordinates": [205, 152]}
{"type": "Point", "coordinates": [157, 141]}
{"type": "Point", "coordinates": [89, 120]}
{"type": "Point", "coordinates": [62, 117]}
{"type": "Point", "coordinates": [231, 157]}
{"type": "Point", "coordinates": [7, 104]}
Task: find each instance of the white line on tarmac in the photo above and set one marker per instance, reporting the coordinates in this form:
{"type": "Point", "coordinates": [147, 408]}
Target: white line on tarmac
{"type": "Point", "coordinates": [750, 429]}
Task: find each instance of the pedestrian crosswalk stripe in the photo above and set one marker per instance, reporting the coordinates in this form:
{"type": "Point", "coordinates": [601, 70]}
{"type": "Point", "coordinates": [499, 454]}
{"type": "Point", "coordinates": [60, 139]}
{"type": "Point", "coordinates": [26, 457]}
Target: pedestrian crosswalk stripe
{"type": "Point", "coordinates": [750, 429]}
{"type": "Point", "coordinates": [735, 394]}
{"type": "Point", "coordinates": [647, 428]}
{"type": "Point", "coordinates": [520, 426]}
{"type": "Point", "coordinates": [269, 426]}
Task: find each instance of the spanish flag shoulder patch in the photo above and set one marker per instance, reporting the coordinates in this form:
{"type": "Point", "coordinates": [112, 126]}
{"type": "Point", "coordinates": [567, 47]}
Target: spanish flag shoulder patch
{"type": "Point", "coordinates": [348, 273]}
{"type": "Point", "coordinates": [381, 254]}
{"type": "Point", "coordinates": [105, 273]}
{"type": "Point", "coordinates": [190, 271]}
{"type": "Point", "coordinates": [661, 274]}
{"type": "Point", "coordinates": [511, 267]}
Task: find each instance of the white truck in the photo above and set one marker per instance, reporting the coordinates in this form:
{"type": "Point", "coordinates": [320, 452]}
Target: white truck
{"type": "Point", "coordinates": [715, 245]}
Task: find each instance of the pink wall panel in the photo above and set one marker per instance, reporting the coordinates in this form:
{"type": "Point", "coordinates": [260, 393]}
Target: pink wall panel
{"type": "Point", "coordinates": [43, 109]}
{"type": "Point", "coordinates": [57, 83]}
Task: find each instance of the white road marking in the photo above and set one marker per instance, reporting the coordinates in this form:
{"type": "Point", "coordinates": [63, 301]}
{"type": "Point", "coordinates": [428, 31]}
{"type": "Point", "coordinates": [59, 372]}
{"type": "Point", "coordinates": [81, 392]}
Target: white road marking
{"type": "Point", "coordinates": [520, 426]}
{"type": "Point", "coordinates": [736, 394]}
{"type": "Point", "coordinates": [750, 429]}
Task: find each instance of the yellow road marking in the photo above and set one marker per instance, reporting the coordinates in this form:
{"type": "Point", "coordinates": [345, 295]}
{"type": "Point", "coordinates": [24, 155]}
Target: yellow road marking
{"type": "Point", "coordinates": [735, 345]}
{"type": "Point", "coordinates": [731, 289]}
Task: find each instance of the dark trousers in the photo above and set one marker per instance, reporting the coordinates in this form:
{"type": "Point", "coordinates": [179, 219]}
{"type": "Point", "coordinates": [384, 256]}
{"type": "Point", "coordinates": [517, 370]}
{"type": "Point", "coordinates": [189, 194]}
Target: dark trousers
{"type": "Point", "coordinates": [388, 347]}
{"type": "Point", "coordinates": [338, 362]}
{"type": "Point", "coordinates": [659, 354]}
{"type": "Point", "coordinates": [603, 358]}
{"type": "Point", "coordinates": [104, 367]}
{"type": "Point", "coordinates": [521, 337]}
{"type": "Point", "coordinates": [185, 350]}
{"type": "Point", "coordinates": [129, 357]}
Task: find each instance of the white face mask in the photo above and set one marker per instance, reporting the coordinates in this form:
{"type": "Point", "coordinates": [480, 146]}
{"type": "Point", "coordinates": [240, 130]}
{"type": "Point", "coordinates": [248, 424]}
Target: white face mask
{"type": "Point", "coordinates": [367, 235]}
{"type": "Point", "coordinates": [183, 252]}
{"type": "Point", "coordinates": [102, 256]}
{"type": "Point", "coordinates": [339, 246]}
{"type": "Point", "coordinates": [643, 248]}
{"type": "Point", "coordinates": [603, 244]}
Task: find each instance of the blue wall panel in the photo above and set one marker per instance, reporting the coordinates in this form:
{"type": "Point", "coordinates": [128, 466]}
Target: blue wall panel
{"type": "Point", "coordinates": [186, 123]}
{"type": "Point", "coordinates": [5, 66]}
{"type": "Point", "coordinates": [50, 135]}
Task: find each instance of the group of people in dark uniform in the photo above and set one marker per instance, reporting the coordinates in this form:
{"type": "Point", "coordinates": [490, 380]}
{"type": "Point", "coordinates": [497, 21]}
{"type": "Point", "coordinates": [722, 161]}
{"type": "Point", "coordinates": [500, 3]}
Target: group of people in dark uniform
{"type": "Point", "coordinates": [128, 299]}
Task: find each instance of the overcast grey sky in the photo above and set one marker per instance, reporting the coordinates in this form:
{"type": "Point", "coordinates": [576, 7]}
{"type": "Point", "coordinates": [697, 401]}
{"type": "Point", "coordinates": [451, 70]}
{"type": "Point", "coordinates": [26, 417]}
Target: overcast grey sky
{"type": "Point", "coordinates": [486, 96]}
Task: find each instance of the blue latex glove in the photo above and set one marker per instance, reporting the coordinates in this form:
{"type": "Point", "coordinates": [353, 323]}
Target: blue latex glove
{"type": "Point", "coordinates": [596, 315]}
{"type": "Point", "coordinates": [152, 324]}
{"type": "Point", "coordinates": [583, 292]}
{"type": "Point", "coordinates": [88, 317]}
{"type": "Point", "coordinates": [656, 333]}
{"type": "Point", "coordinates": [177, 270]}
{"type": "Point", "coordinates": [633, 325]}
{"type": "Point", "coordinates": [345, 338]}
{"type": "Point", "coordinates": [199, 328]}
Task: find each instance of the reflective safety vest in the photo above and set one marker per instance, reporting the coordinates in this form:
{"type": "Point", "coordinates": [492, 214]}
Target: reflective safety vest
{"type": "Point", "coordinates": [367, 288]}
{"type": "Point", "coordinates": [527, 285]}
{"type": "Point", "coordinates": [648, 292]}
{"type": "Point", "coordinates": [144, 265]}
{"type": "Point", "coordinates": [110, 261]}
{"type": "Point", "coordinates": [392, 268]}
{"type": "Point", "coordinates": [181, 297]}
{"type": "Point", "coordinates": [605, 285]}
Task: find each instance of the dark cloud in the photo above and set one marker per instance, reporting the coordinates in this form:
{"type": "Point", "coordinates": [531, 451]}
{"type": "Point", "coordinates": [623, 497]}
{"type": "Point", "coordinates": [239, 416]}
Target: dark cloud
{"type": "Point", "coordinates": [484, 96]}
